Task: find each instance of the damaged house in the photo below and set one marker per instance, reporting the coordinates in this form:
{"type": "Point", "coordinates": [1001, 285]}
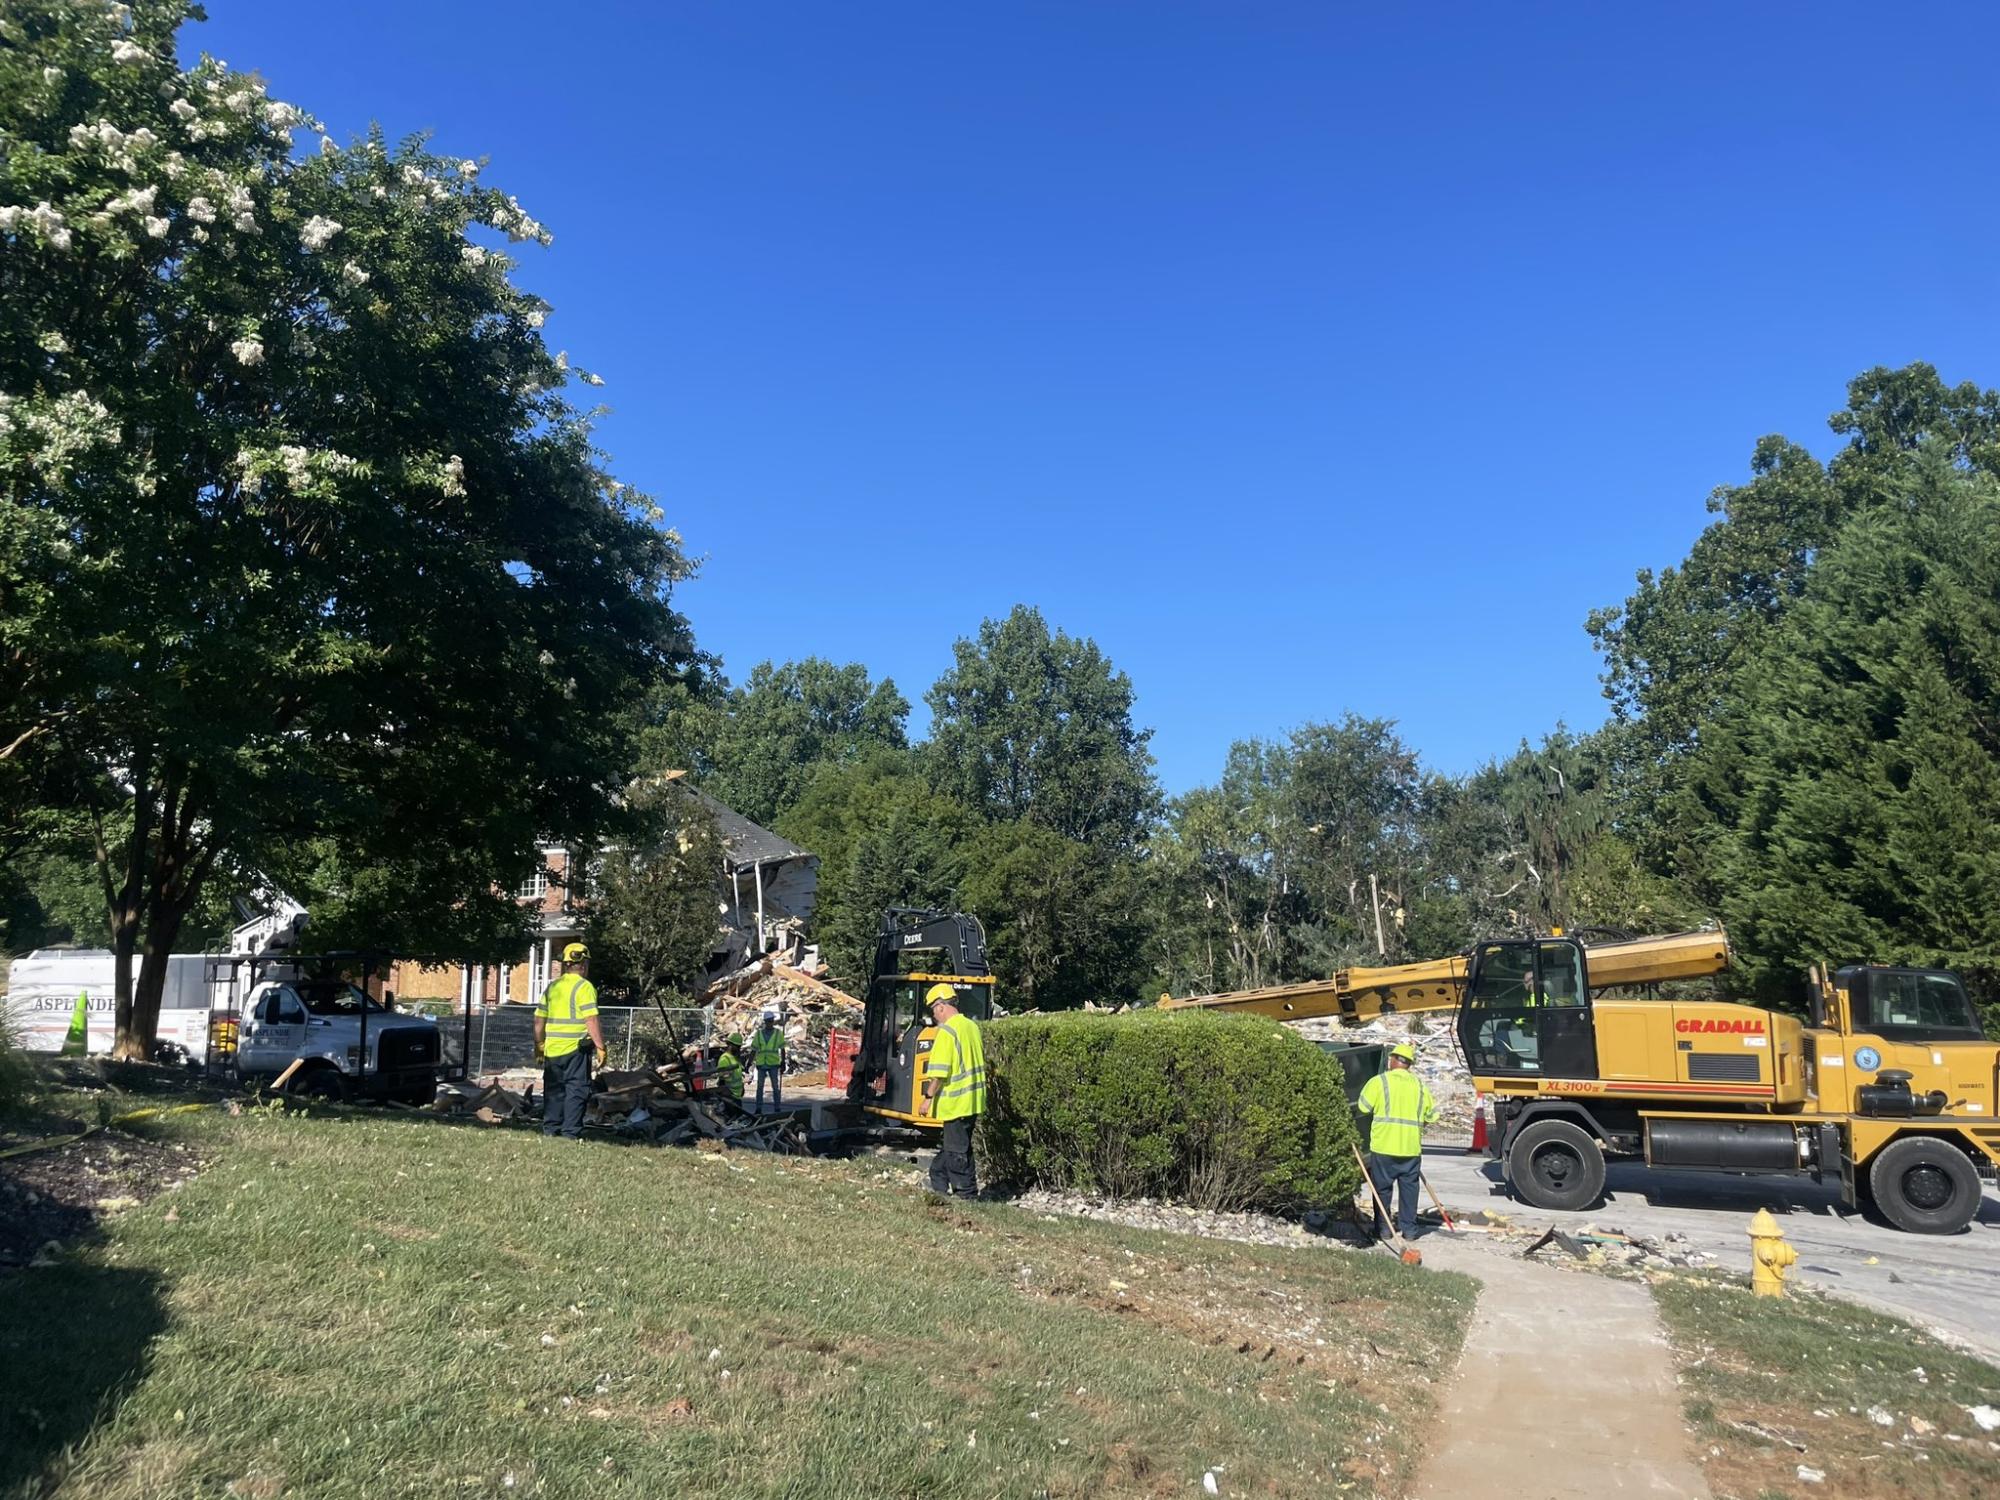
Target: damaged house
{"type": "Point", "coordinates": [765, 892]}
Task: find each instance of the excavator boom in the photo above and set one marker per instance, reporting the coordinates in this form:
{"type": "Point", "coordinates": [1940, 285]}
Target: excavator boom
{"type": "Point", "coordinates": [1357, 994]}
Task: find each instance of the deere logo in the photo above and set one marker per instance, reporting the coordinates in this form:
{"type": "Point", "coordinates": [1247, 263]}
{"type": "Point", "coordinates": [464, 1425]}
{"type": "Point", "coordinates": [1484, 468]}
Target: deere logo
{"type": "Point", "coordinates": [1739, 1027]}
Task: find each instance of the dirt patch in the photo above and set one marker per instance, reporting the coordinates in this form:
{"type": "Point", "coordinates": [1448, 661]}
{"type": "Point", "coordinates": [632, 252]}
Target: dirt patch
{"type": "Point", "coordinates": [62, 1195]}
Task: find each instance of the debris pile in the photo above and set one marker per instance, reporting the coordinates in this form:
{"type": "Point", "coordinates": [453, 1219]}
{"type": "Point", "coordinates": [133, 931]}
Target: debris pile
{"type": "Point", "coordinates": [649, 1104]}
{"type": "Point", "coordinates": [807, 1006]}
{"type": "Point", "coordinates": [1437, 1060]}
{"type": "Point", "coordinates": [1613, 1247]}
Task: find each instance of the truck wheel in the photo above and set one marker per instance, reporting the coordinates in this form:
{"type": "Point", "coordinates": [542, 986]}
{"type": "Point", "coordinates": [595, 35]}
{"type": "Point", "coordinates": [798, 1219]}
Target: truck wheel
{"type": "Point", "coordinates": [1554, 1164]}
{"type": "Point", "coordinates": [1924, 1185]}
{"type": "Point", "coordinates": [320, 1083]}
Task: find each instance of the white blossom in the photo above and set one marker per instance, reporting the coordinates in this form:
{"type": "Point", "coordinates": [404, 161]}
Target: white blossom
{"type": "Point", "coordinates": [591, 378]}
{"type": "Point", "coordinates": [562, 359]}
{"type": "Point", "coordinates": [127, 52]}
{"type": "Point", "coordinates": [240, 101]}
{"type": "Point", "coordinates": [10, 217]}
{"type": "Point", "coordinates": [181, 110]}
{"type": "Point", "coordinates": [198, 235]}
{"type": "Point", "coordinates": [52, 76]}
{"type": "Point", "coordinates": [201, 210]}
{"type": "Point", "coordinates": [282, 116]}
{"type": "Point", "coordinates": [143, 137]}
{"type": "Point", "coordinates": [240, 201]}
{"type": "Point", "coordinates": [468, 169]}
{"type": "Point", "coordinates": [58, 239]}
{"type": "Point", "coordinates": [535, 317]}
{"type": "Point", "coordinates": [54, 342]}
{"type": "Point", "coordinates": [412, 177]}
{"type": "Point", "coordinates": [174, 165]}
{"type": "Point", "coordinates": [318, 233]}
{"type": "Point", "coordinates": [472, 255]}
{"type": "Point", "coordinates": [379, 191]}
{"type": "Point", "coordinates": [547, 658]}
{"type": "Point", "coordinates": [454, 475]}
{"type": "Point", "coordinates": [248, 352]}
{"type": "Point", "coordinates": [353, 275]}
{"type": "Point", "coordinates": [156, 227]}
{"type": "Point", "coordinates": [327, 147]}
{"type": "Point", "coordinates": [134, 200]}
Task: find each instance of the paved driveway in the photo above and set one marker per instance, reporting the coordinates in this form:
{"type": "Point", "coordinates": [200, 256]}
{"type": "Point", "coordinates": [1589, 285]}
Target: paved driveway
{"type": "Point", "coordinates": [1944, 1282]}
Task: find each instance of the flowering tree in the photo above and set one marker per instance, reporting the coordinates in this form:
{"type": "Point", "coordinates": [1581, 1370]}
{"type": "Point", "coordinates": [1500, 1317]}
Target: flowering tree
{"type": "Point", "coordinates": [302, 539]}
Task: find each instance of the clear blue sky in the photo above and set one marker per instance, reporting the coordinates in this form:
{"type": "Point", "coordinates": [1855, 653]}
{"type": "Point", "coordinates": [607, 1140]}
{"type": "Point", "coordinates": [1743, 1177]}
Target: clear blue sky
{"type": "Point", "coordinates": [1309, 357]}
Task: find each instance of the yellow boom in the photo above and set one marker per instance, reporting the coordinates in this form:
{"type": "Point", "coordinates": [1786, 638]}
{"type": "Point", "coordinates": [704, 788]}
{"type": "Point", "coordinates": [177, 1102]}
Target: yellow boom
{"type": "Point", "coordinates": [1356, 994]}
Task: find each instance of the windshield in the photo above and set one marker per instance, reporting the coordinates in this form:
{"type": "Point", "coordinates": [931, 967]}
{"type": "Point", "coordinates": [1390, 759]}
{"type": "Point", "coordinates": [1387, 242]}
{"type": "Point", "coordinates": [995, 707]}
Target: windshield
{"type": "Point", "coordinates": [333, 998]}
{"type": "Point", "coordinates": [1916, 1004]}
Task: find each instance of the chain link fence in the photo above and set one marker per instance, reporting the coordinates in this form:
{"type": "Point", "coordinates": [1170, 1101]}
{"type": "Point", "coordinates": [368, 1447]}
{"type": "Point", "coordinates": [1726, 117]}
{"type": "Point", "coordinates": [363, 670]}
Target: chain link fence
{"type": "Point", "coordinates": [502, 1037]}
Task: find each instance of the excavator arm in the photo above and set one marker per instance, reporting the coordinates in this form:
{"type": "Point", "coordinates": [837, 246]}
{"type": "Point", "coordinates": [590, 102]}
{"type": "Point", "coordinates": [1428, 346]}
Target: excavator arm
{"type": "Point", "coordinates": [1437, 984]}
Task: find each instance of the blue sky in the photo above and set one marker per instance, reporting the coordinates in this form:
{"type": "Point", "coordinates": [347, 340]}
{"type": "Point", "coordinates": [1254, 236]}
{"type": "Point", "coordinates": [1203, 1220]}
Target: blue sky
{"type": "Point", "coordinates": [1309, 357]}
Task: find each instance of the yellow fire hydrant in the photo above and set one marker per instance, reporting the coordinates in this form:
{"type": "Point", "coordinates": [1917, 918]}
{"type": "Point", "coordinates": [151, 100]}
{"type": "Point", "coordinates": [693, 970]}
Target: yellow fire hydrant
{"type": "Point", "coordinates": [1770, 1256]}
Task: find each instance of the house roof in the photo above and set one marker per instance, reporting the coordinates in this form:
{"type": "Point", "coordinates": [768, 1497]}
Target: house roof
{"type": "Point", "coordinates": [744, 843]}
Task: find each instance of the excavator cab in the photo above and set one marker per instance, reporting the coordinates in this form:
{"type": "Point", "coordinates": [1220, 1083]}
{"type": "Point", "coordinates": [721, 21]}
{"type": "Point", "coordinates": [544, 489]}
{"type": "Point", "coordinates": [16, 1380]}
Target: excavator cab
{"type": "Point", "coordinates": [914, 950]}
{"type": "Point", "coordinates": [1526, 1010]}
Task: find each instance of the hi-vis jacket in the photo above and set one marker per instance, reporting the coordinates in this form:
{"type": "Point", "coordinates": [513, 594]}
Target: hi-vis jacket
{"type": "Point", "coordinates": [566, 1005]}
{"type": "Point", "coordinates": [958, 1056]}
{"type": "Point", "coordinates": [1399, 1107]}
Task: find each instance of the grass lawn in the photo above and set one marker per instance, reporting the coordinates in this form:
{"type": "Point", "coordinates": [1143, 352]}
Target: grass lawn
{"type": "Point", "coordinates": [367, 1305]}
{"type": "Point", "coordinates": [1879, 1408]}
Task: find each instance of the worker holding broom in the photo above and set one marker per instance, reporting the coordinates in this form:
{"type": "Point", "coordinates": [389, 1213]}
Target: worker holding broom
{"type": "Point", "coordinates": [1398, 1106]}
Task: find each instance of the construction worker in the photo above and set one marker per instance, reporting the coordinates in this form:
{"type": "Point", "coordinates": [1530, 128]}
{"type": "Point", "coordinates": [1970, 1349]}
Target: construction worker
{"type": "Point", "coordinates": [729, 1069]}
{"type": "Point", "coordinates": [955, 1083]}
{"type": "Point", "coordinates": [1399, 1106]}
{"type": "Point", "coordinates": [567, 1033]}
{"type": "Point", "coordinates": [767, 1055]}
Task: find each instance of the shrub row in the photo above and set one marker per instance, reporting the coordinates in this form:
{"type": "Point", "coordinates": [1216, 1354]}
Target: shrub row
{"type": "Point", "coordinates": [1220, 1112]}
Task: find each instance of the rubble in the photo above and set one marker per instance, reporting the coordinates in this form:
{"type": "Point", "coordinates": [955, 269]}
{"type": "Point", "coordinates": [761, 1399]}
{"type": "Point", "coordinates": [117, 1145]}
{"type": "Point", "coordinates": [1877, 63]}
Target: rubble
{"type": "Point", "coordinates": [1145, 1213]}
{"type": "Point", "coordinates": [651, 1104]}
{"type": "Point", "coordinates": [808, 1008]}
{"type": "Point", "coordinates": [1437, 1060]}
{"type": "Point", "coordinates": [1613, 1248]}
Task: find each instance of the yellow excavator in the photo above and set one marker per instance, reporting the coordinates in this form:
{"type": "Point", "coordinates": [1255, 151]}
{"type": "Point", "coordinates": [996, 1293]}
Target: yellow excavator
{"type": "Point", "coordinates": [1890, 1088]}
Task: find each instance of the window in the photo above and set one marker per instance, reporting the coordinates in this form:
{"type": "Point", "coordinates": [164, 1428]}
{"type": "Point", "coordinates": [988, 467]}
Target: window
{"type": "Point", "coordinates": [1914, 1005]}
{"type": "Point", "coordinates": [535, 886]}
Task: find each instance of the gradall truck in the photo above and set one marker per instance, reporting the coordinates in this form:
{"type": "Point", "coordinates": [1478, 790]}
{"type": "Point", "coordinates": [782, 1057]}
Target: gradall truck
{"type": "Point", "coordinates": [1889, 1087]}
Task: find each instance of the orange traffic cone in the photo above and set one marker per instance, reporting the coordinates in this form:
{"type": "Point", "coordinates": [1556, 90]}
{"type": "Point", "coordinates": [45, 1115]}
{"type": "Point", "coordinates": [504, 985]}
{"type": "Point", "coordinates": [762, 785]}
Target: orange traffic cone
{"type": "Point", "coordinates": [1479, 1124]}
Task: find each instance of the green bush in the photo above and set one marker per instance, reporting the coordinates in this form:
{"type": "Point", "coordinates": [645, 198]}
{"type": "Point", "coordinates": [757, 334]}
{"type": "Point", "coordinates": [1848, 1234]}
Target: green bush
{"type": "Point", "coordinates": [1224, 1112]}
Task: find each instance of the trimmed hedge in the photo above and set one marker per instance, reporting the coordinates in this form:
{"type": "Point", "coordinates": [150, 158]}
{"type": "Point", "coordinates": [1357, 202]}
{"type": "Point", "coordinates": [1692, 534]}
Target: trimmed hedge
{"type": "Point", "coordinates": [1222, 1112]}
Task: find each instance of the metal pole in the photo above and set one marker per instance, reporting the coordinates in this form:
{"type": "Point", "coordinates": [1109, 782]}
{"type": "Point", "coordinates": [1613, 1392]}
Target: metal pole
{"type": "Point", "coordinates": [1375, 895]}
{"type": "Point", "coordinates": [465, 1050]}
{"type": "Point", "coordinates": [362, 1075]}
{"type": "Point", "coordinates": [757, 873]}
{"type": "Point", "coordinates": [628, 1041]}
{"type": "Point", "coordinates": [479, 985]}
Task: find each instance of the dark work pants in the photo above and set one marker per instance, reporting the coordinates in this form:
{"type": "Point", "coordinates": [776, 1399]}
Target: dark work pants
{"type": "Point", "coordinates": [951, 1168]}
{"type": "Point", "coordinates": [775, 1075]}
{"type": "Point", "coordinates": [565, 1092]}
{"type": "Point", "coordinates": [1392, 1172]}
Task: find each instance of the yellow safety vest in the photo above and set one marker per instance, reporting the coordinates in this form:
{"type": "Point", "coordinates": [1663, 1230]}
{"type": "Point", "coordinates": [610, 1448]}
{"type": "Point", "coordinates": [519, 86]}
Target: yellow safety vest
{"type": "Point", "coordinates": [958, 1056]}
{"type": "Point", "coordinates": [767, 1048]}
{"type": "Point", "coordinates": [730, 1070]}
{"type": "Point", "coordinates": [567, 1005]}
{"type": "Point", "coordinates": [1399, 1107]}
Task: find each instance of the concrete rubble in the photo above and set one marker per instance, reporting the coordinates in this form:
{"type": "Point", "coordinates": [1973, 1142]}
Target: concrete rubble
{"type": "Point", "coordinates": [808, 1008]}
{"type": "Point", "coordinates": [1437, 1059]}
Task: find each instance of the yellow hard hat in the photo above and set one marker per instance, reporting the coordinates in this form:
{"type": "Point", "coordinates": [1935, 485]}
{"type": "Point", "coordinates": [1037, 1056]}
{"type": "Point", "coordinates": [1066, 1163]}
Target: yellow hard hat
{"type": "Point", "coordinates": [939, 992]}
{"type": "Point", "coordinates": [573, 951]}
{"type": "Point", "coordinates": [1405, 1051]}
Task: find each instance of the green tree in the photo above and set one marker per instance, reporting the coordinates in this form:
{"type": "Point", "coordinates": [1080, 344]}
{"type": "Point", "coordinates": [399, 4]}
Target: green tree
{"type": "Point", "coordinates": [1063, 919]}
{"type": "Point", "coordinates": [654, 908]}
{"type": "Point", "coordinates": [884, 838]}
{"type": "Point", "coordinates": [1861, 760]}
{"type": "Point", "coordinates": [775, 732]}
{"type": "Point", "coordinates": [1034, 724]}
{"type": "Point", "coordinates": [1675, 652]}
{"type": "Point", "coordinates": [302, 539]}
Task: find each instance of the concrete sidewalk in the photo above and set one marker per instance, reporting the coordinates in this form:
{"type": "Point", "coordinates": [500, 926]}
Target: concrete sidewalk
{"type": "Point", "coordinates": [1947, 1284]}
{"type": "Point", "coordinates": [1565, 1389]}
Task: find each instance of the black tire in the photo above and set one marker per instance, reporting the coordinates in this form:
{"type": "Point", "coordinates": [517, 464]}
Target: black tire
{"type": "Point", "coordinates": [1554, 1164]}
{"type": "Point", "coordinates": [1925, 1185]}
{"type": "Point", "coordinates": [323, 1082]}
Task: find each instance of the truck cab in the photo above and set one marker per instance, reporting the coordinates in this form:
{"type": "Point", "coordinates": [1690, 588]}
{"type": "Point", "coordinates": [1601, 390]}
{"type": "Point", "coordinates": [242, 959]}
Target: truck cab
{"type": "Point", "coordinates": [345, 1041]}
